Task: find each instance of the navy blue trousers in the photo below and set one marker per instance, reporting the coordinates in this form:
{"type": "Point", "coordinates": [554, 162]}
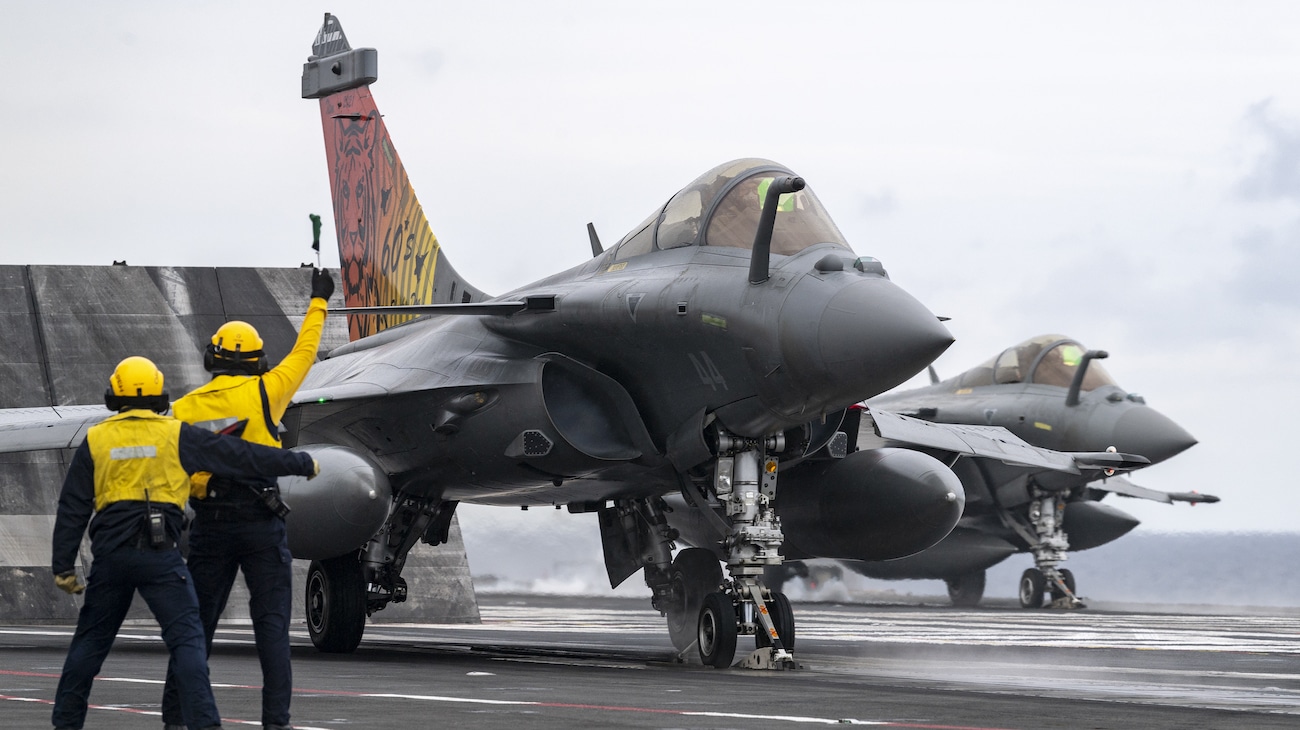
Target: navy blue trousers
{"type": "Point", "coordinates": [165, 584]}
{"type": "Point", "coordinates": [260, 549]}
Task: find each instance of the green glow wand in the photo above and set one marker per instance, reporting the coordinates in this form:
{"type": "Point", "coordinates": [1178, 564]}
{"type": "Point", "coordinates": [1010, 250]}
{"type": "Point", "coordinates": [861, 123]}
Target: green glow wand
{"type": "Point", "coordinates": [315, 236]}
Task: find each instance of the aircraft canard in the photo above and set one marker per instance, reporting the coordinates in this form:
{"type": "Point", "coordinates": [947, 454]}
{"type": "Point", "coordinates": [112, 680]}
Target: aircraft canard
{"type": "Point", "coordinates": [989, 442]}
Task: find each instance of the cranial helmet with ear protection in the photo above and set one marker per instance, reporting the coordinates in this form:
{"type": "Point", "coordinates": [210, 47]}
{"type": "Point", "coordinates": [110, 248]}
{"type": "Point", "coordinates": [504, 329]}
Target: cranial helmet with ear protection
{"type": "Point", "coordinates": [235, 346]}
{"type": "Point", "coordinates": [136, 383]}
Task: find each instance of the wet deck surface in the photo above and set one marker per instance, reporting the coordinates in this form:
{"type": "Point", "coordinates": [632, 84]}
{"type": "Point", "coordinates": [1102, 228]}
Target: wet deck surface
{"type": "Point", "coordinates": [547, 662]}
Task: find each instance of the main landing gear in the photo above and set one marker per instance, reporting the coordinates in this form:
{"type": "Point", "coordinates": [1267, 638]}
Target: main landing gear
{"type": "Point", "coordinates": [336, 604]}
{"type": "Point", "coordinates": [343, 591]}
{"type": "Point", "coordinates": [965, 591]}
{"type": "Point", "coordinates": [695, 575]}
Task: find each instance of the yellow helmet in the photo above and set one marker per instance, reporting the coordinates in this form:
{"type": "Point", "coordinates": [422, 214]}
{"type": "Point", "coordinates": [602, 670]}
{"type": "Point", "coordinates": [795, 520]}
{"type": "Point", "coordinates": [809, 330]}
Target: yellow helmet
{"type": "Point", "coordinates": [235, 346]}
{"type": "Point", "coordinates": [236, 336]}
{"type": "Point", "coordinates": [136, 383]}
{"type": "Point", "coordinates": [136, 376]}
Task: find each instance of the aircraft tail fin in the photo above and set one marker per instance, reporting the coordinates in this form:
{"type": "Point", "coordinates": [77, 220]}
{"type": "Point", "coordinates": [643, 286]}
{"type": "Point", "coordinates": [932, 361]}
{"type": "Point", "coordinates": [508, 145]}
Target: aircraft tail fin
{"type": "Point", "coordinates": [388, 254]}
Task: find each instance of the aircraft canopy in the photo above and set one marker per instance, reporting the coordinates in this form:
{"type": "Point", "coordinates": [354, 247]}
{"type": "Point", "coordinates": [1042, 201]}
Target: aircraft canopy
{"type": "Point", "coordinates": [722, 207]}
{"type": "Point", "coordinates": [1045, 360]}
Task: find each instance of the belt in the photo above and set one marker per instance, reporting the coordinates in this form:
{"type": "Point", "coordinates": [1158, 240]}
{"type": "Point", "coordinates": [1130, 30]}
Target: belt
{"type": "Point", "coordinates": [229, 491]}
{"type": "Point", "coordinates": [233, 500]}
{"type": "Point", "coordinates": [232, 512]}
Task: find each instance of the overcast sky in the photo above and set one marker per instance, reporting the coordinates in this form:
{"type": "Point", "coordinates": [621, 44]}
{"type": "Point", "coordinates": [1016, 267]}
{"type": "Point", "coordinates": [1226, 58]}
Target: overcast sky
{"type": "Point", "coordinates": [1126, 174]}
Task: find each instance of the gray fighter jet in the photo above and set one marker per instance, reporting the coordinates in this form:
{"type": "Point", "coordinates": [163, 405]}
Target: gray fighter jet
{"type": "Point", "coordinates": [712, 349]}
{"type": "Point", "coordinates": [1050, 391]}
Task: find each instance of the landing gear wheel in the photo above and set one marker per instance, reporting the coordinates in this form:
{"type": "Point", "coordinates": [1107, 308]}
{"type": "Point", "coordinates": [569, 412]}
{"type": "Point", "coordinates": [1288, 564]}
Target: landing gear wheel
{"type": "Point", "coordinates": [1068, 577]}
{"type": "Point", "coordinates": [966, 590]}
{"type": "Point", "coordinates": [336, 604]}
{"type": "Point", "coordinates": [1032, 585]}
{"type": "Point", "coordinates": [717, 631]}
{"type": "Point", "coordinates": [695, 573]}
{"type": "Point", "coordinates": [782, 618]}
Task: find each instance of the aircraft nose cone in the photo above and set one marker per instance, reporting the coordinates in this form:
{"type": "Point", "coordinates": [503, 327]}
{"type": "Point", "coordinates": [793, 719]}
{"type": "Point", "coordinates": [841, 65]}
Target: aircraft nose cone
{"type": "Point", "coordinates": [873, 335]}
{"type": "Point", "coordinates": [1146, 431]}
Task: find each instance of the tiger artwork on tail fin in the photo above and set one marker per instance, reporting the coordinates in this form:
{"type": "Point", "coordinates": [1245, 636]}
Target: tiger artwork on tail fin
{"type": "Point", "coordinates": [388, 254]}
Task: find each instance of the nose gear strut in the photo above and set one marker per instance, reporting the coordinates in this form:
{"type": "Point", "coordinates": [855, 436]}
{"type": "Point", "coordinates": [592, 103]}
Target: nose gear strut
{"type": "Point", "coordinates": [1048, 543]}
{"type": "Point", "coordinates": [745, 485]}
{"type": "Point", "coordinates": [706, 612]}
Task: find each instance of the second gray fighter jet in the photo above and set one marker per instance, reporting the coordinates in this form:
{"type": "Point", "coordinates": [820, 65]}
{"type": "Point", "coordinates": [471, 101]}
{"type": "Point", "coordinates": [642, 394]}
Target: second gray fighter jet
{"type": "Point", "coordinates": [1051, 392]}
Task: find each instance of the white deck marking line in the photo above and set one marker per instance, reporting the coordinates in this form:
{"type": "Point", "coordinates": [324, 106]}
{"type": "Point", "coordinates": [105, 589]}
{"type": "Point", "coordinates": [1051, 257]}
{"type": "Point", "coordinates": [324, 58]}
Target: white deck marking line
{"type": "Point", "coordinates": [298, 691]}
{"type": "Point", "coordinates": [1237, 634]}
{"type": "Point", "coordinates": [655, 711]}
{"type": "Point", "coordinates": [147, 713]}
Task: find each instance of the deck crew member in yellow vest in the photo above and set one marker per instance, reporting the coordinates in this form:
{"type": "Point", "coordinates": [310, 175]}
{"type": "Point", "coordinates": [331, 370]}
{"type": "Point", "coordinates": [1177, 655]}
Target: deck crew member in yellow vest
{"type": "Point", "coordinates": [132, 473]}
{"type": "Point", "coordinates": [239, 522]}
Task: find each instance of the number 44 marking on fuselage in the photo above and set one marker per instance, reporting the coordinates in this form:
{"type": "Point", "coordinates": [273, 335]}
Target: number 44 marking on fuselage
{"type": "Point", "coordinates": [708, 372]}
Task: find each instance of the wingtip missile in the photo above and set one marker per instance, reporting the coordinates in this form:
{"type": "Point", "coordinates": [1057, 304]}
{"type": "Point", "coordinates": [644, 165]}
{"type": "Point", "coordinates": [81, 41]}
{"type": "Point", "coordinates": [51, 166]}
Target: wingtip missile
{"type": "Point", "coordinates": [1193, 497]}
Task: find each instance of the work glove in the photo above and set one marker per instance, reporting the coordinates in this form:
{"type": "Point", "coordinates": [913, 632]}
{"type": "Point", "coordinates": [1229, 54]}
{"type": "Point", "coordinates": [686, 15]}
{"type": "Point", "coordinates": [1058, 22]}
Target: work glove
{"type": "Point", "coordinates": [322, 284]}
{"type": "Point", "coordinates": [315, 470]}
{"type": "Point", "coordinates": [68, 583]}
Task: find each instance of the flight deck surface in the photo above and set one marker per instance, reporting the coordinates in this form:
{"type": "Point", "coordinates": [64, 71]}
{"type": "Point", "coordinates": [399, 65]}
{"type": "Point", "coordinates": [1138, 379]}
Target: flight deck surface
{"type": "Point", "coordinates": [575, 662]}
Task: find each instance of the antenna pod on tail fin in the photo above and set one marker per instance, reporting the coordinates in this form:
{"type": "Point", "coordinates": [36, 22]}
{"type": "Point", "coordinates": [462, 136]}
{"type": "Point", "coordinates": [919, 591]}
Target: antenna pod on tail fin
{"type": "Point", "coordinates": [334, 66]}
{"type": "Point", "coordinates": [388, 254]}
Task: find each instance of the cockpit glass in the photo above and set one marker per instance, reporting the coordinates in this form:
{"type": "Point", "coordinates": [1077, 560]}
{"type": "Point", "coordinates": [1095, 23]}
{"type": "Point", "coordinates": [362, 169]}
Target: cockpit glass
{"type": "Point", "coordinates": [732, 212]}
{"type": "Point", "coordinates": [1056, 366]}
{"type": "Point", "coordinates": [977, 376]}
{"type": "Point", "coordinates": [684, 214]}
{"type": "Point", "coordinates": [639, 241]}
{"type": "Point", "coordinates": [801, 221]}
{"type": "Point", "coordinates": [1059, 365]}
{"type": "Point", "coordinates": [681, 223]}
{"type": "Point", "coordinates": [1008, 368]}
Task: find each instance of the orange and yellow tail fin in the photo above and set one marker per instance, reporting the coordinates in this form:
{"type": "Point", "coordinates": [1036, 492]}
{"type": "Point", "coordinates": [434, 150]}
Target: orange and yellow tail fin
{"type": "Point", "coordinates": [388, 254]}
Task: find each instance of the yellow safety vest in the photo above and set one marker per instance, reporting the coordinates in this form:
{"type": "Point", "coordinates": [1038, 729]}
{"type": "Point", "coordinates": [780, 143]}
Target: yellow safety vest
{"type": "Point", "coordinates": [222, 402]}
{"type": "Point", "coordinates": [225, 401]}
{"type": "Point", "coordinates": [135, 451]}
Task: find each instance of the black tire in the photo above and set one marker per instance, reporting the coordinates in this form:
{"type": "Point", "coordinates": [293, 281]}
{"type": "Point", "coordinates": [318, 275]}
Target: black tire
{"type": "Point", "coordinates": [966, 590]}
{"type": "Point", "coordinates": [1068, 577]}
{"type": "Point", "coordinates": [717, 631]}
{"type": "Point", "coordinates": [1032, 586]}
{"type": "Point", "coordinates": [336, 604]}
{"type": "Point", "coordinates": [782, 618]}
{"type": "Point", "coordinates": [695, 573]}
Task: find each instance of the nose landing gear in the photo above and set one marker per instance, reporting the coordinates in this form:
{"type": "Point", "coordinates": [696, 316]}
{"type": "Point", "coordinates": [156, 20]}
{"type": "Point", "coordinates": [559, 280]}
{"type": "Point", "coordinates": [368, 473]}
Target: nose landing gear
{"type": "Point", "coordinates": [1049, 545]}
{"type": "Point", "coordinates": [745, 485]}
{"type": "Point", "coordinates": [705, 611]}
